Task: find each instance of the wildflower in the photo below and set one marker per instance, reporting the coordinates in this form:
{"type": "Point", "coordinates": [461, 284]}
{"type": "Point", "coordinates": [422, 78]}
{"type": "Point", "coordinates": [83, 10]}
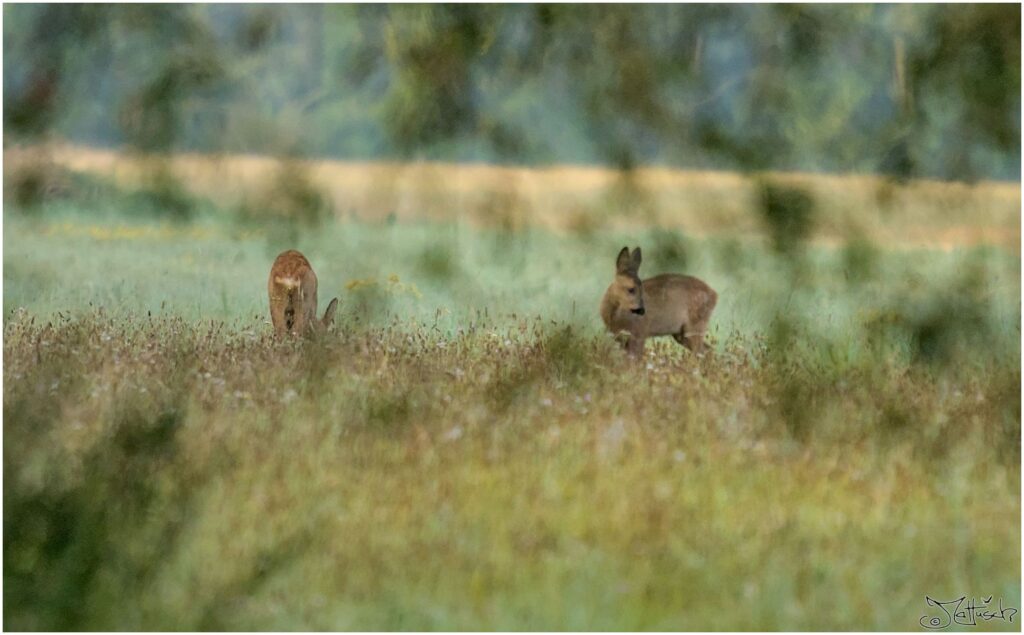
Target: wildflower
{"type": "Point", "coordinates": [611, 439]}
{"type": "Point", "coordinates": [453, 435]}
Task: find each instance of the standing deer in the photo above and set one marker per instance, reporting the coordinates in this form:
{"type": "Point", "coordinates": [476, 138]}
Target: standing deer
{"type": "Point", "coordinates": [292, 290]}
{"type": "Point", "coordinates": [667, 304]}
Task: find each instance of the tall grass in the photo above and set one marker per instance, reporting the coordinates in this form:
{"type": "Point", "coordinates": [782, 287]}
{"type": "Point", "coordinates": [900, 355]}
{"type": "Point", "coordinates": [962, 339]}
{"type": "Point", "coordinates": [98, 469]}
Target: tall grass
{"type": "Point", "coordinates": [467, 450]}
{"type": "Point", "coordinates": [166, 475]}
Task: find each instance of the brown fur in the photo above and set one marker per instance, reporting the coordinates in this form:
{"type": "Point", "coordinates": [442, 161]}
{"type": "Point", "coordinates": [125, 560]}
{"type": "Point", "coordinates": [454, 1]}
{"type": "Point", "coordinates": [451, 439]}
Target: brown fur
{"type": "Point", "coordinates": [667, 304]}
{"type": "Point", "coordinates": [293, 303]}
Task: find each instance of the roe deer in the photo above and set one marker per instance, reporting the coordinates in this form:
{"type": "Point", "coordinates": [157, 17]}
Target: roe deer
{"type": "Point", "coordinates": [292, 289]}
{"type": "Point", "coordinates": [667, 304]}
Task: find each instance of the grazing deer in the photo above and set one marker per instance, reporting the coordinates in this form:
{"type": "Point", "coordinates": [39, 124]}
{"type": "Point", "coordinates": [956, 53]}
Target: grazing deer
{"type": "Point", "coordinates": [292, 289]}
{"type": "Point", "coordinates": [667, 304]}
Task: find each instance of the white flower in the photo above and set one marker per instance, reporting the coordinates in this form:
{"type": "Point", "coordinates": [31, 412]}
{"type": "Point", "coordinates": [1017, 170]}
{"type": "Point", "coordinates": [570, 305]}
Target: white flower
{"type": "Point", "coordinates": [611, 439]}
{"type": "Point", "coordinates": [453, 435]}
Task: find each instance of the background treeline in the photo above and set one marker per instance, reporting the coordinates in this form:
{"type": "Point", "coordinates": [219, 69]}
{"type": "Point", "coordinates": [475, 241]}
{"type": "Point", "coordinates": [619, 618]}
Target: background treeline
{"type": "Point", "coordinates": [904, 90]}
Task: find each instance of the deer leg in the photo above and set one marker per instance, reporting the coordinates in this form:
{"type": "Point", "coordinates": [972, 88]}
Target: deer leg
{"type": "Point", "coordinates": [299, 311]}
{"type": "Point", "coordinates": [312, 320]}
{"type": "Point", "coordinates": [635, 346]}
{"type": "Point", "coordinates": [278, 315]}
{"type": "Point", "coordinates": [622, 339]}
{"type": "Point", "coordinates": [693, 339]}
{"type": "Point", "coordinates": [695, 342]}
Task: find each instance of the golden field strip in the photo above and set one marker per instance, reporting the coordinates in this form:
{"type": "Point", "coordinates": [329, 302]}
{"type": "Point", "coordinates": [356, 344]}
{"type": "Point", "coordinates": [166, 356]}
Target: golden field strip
{"type": "Point", "coordinates": [919, 213]}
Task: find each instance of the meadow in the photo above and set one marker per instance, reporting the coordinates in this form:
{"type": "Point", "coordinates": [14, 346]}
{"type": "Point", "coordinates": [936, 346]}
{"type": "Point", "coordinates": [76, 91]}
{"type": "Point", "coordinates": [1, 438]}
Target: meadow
{"type": "Point", "coordinates": [467, 449]}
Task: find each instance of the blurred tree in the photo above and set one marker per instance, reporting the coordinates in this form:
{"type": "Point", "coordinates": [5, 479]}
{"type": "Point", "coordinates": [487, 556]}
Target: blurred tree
{"type": "Point", "coordinates": [906, 90]}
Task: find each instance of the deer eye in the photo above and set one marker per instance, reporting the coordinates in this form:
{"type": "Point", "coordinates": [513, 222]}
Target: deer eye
{"type": "Point", "coordinates": [632, 290]}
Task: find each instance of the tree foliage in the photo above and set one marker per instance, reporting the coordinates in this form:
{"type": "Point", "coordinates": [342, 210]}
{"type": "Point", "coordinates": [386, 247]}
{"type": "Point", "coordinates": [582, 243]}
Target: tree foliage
{"type": "Point", "coordinates": [906, 90]}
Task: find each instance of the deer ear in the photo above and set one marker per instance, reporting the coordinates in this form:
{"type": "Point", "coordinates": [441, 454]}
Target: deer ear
{"type": "Point", "coordinates": [623, 263]}
{"type": "Point", "coordinates": [329, 313]}
{"type": "Point", "coordinates": [636, 258]}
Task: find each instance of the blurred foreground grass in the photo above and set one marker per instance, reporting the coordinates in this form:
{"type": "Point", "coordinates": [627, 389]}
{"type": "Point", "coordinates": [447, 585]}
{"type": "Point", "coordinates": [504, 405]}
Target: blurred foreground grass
{"type": "Point", "coordinates": [467, 450]}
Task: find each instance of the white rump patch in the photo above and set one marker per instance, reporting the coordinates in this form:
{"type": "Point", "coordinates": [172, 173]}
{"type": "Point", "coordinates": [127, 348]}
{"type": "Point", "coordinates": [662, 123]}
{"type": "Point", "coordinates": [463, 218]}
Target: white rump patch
{"type": "Point", "coordinates": [287, 283]}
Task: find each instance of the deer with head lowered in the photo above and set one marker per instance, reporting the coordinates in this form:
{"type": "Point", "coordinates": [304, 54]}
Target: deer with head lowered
{"type": "Point", "coordinates": [667, 304]}
{"type": "Point", "coordinates": [293, 302]}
